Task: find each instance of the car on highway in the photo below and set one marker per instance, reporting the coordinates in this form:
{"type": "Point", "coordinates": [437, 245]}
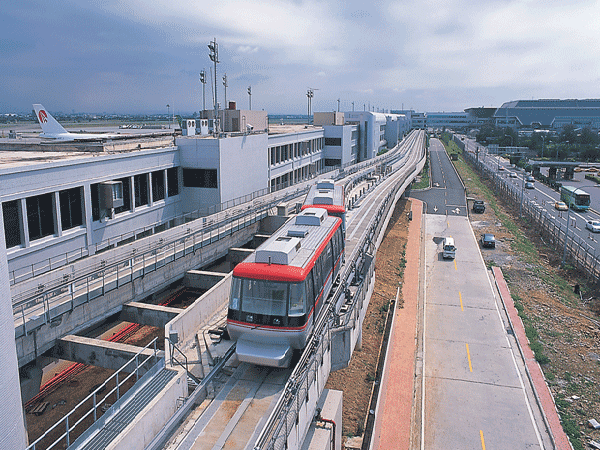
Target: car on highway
{"type": "Point", "coordinates": [530, 178]}
{"type": "Point", "coordinates": [561, 206]}
{"type": "Point", "coordinates": [529, 185]}
{"type": "Point", "coordinates": [488, 240]}
{"type": "Point", "coordinates": [593, 225]}
{"type": "Point", "coordinates": [513, 174]}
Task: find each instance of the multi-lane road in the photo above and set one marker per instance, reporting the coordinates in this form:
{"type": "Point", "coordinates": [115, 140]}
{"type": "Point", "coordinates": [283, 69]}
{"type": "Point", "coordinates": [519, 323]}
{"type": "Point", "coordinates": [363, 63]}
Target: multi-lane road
{"type": "Point", "coordinates": [475, 389]}
{"type": "Point", "coordinates": [546, 197]}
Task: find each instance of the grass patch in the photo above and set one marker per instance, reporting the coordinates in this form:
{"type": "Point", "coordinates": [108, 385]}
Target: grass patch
{"type": "Point", "coordinates": [423, 183]}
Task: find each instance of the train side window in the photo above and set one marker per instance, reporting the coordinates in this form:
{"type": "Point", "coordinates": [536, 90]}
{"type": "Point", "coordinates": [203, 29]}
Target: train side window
{"type": "Point", "coordinates": [336, 245]}
{"type": "Point", "coordinates": [318, 276]}
{"type": "Point", "coordinates": [234, 300]}
{"type": "Point", "coordinates": [297, 299]}
{"type": "Point", "coordinates": [310, 294]}
{"type": "Point", "coordinates": [328, 259]}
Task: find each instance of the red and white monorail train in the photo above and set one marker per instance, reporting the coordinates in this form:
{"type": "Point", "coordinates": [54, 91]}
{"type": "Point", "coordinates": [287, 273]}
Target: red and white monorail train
{"type": "Point", "coordinates": [330, 196]}
{"type": "Point", "coordinates": [279, 290]}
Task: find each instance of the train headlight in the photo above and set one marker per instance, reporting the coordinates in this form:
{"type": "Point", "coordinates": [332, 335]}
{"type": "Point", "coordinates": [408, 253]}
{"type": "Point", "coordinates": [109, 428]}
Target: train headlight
{"type": "Point", "coordinates": [250, 318]}
{"type": "Point", "coordinates": [277, 322]}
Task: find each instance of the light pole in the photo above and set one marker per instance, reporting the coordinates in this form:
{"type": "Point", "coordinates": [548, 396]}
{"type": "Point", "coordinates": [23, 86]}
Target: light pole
{"type": "Point", "coordinates": [203, 81]}
{"type": "Point", "coordinates": [225, 85]}
{"type": "Point", "coordinates": [250, 98]}
{"type": "Point", "coordinates": [214, 57]}
{"type": "Point", "coordinates": [543, 144]}
{"type": "Point", "coordinates": [169, 115]}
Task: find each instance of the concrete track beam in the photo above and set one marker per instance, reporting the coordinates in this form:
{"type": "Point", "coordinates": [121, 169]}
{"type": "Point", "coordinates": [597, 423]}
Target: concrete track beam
{"type": "Point", "coordinates": [145, 314]}
{"type": "Point", "coordinates": [202, 279]}
{"type": "Point", "coordinates": [96, 352]}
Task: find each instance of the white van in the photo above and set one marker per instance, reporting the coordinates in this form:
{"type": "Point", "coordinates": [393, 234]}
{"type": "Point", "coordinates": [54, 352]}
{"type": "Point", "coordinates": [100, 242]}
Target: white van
{"type": "Point", "coordinates": [449, 249]}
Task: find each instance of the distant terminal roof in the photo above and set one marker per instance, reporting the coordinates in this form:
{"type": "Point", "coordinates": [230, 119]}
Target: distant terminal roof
{"type": "Point", "coordinates": [551, 112]}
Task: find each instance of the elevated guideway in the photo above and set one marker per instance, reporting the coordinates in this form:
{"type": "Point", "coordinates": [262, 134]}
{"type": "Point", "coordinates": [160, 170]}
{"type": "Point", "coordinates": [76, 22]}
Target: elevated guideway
{"type": "Point", "coordinates": [266, 408]}
{"type": "Point", "coordinates": [347, 305]}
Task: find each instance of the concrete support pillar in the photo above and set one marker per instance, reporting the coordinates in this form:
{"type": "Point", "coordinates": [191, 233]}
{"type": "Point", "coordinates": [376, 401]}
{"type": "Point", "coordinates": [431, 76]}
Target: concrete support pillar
{"type": "Point", "coordinates": [12, 419]}
{"type": "Point", "coordinates": [359, 340]}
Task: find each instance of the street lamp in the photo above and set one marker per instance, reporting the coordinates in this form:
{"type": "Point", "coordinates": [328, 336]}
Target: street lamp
{"type": "Point", "coordinates": [169, 115]}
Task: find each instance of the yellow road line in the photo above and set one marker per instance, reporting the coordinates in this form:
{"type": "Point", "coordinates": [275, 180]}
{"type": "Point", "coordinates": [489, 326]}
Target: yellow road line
{"type": "Point", "coordinates": [469, 357]}
{"type": "Point", "coordinates": [455, 268]}
{"type": "Point", "coordinates": [482, 440]}
{"type": "Point", "coordinates": [461, 304]}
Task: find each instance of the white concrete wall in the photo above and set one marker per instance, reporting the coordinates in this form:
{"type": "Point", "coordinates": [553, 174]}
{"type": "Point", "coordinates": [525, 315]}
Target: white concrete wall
{"type": "Point", "coordinates": [189, 321]}
{"type": "Point", "coordinates": [199, 153]}
{"type": "Point", "coordinates": [343, 152]}
{"type": "Point", "coordinates": [244, 165]}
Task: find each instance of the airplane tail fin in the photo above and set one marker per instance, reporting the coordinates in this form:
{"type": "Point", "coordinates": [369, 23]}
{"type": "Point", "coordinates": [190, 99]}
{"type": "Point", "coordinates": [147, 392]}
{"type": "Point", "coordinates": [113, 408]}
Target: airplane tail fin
{"type": "Point", "coordinates": [48, 123]}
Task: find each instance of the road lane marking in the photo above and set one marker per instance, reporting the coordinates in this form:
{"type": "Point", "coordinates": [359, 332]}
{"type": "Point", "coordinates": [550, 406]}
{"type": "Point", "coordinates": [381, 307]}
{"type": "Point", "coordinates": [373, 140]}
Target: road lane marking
{"type": "Point", "coordinates": [482, 440]}
{"type": "Point", "coordinates": [455, 268]}
{"type": "Point", "coordinates": [461, 304]}
{"type": "Point", "coordinates": [469, 357]}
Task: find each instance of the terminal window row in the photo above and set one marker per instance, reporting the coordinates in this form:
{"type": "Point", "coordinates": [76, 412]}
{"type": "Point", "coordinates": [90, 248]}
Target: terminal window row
{"type": "Point", "coordinates": [297, 175]}
{"type": "Point", "coordinates": [281, 153]}
{"type": "Point", "coordinates": [40, 216]}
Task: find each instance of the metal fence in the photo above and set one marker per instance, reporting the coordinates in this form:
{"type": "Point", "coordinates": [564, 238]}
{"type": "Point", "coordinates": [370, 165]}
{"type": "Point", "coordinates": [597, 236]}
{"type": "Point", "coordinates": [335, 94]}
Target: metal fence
{"type": "Point", "coordinates": [579, 253]}
{"type": "Point", "coordinates": [77, 420]}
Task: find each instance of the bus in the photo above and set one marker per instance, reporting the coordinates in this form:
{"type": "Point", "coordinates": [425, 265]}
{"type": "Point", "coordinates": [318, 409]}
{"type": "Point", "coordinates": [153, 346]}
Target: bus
{"type": "Point", "coordinates": [575, 198]}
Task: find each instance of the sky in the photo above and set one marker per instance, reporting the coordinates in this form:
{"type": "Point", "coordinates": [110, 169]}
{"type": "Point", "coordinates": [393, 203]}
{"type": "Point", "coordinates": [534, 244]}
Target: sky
{"type": "Point", "coordinates": [134, 56]}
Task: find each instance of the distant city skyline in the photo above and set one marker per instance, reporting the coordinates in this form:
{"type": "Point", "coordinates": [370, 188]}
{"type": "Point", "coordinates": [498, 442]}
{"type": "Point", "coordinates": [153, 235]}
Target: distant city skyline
{"type": "Point", "coordinates": [129, 56]}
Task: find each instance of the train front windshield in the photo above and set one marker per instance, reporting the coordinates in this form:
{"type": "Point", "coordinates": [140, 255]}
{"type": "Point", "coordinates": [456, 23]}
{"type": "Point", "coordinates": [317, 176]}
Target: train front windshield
{"type": "Point", "coordinates": [271, 298]}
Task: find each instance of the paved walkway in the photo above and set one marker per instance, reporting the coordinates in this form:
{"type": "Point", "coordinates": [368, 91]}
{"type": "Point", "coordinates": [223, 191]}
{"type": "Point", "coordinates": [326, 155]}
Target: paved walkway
{"type": "Point", "coordinates": [393, 423]}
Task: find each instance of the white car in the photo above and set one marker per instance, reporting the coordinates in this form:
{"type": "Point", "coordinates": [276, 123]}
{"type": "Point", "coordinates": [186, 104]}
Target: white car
{"type": "Point", "coordinates": [513, 175]}
{"type": "Point", "coordinates": [593, 226]}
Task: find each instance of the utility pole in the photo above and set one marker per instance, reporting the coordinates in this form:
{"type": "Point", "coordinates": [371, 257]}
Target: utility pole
{"type": "Point", "coordinates": [203, 81]}
{"type": "Point", "coordinates": [169, 114]}
{"type": "Point", "coordinates": [225, 84]}
{"type": "Point", "coordinates": [250, 98]}
{"type": "Point", "coordinates": [352, 106]}
{"type": "Point", "coordinates": [214, 57]}
{"type": "Point", "coordinates": [338, 104]}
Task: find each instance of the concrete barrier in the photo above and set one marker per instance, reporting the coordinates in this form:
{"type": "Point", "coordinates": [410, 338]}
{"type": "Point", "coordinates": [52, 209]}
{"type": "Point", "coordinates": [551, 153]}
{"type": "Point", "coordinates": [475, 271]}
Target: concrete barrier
{"type": "Point", "coordinates": [187, 324]}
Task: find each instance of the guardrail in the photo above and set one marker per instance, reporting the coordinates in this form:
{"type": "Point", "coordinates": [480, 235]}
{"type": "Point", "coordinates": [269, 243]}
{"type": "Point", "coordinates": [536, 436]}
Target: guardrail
{"type": "Point", "coordinates": [97, 402]}
{"type": "Point", "coordinates": [580, 254]}
{"type": "Point", "coordinates": [358, 271]}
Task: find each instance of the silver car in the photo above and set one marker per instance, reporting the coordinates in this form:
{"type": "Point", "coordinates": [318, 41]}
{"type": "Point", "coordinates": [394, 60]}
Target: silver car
{"type": "Point", "coordinates": [593, 226]}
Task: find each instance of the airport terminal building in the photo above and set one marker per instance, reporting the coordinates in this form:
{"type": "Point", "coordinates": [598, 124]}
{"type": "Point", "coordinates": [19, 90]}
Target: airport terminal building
{"type": "Point", "coordinates": [64, 201]}
{"type": "Point", "coordinates": [552, 114]}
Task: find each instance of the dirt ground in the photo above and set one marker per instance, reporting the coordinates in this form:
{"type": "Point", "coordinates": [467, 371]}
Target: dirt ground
{"type": "Point", "coordinates": [563, 328]}
{"type": "Point", "coordinates": [356, 381]}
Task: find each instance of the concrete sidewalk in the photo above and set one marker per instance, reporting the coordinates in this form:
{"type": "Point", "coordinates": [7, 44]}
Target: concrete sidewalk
{"type": "Point", "coordinates": [393, 422]}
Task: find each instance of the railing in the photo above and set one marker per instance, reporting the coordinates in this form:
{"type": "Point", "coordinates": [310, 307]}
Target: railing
{"type": "Point", "coordinates": [580, 254]}
{"type": "Point", "coordinates": [183, 364]}
{"type": "Point", "coordinates": [76, 418]}
{"type": "Point", "coordinates": [359, 270]}
{"type": "Point", "coordinates": [114, 274]}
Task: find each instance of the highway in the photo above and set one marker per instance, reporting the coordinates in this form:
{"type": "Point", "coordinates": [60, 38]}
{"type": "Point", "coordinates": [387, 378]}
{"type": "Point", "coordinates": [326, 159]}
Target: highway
{"type": "Point", "coordinates": [476, 393]}
{"type": "Point", "coordinates": [545, 197]}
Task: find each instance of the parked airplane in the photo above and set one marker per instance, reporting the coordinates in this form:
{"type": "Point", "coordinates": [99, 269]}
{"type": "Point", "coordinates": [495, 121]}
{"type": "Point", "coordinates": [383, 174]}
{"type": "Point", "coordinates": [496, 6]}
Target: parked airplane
{"type": "Point", "coordinates": [51, 129]}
